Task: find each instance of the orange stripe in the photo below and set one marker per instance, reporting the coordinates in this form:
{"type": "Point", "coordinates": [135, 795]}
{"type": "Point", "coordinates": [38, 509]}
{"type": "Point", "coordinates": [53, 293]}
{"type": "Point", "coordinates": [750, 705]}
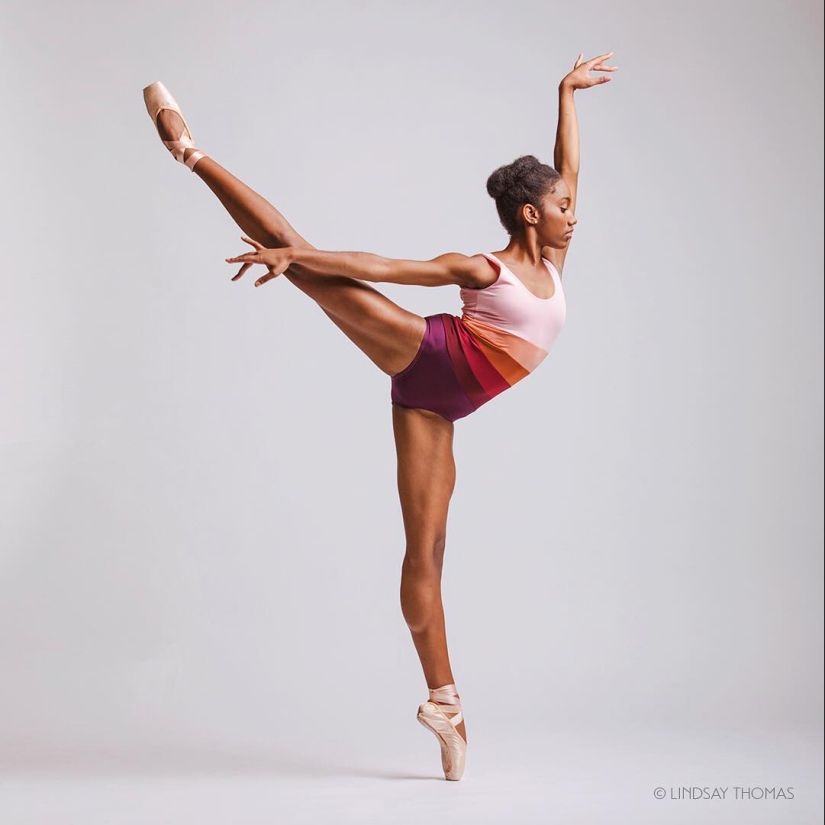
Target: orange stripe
{"type": "Point", "coordinates": [522, 351]}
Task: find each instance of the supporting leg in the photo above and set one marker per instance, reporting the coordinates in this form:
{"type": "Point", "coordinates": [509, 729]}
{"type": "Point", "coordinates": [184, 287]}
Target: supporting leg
{"type": "Point", "coordinates": [426, 479]}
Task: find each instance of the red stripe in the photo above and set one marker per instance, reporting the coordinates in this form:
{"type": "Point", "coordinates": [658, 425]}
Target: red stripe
{"type": "Point", "coordinates": [479, 379]}
{"type": "Point", "coordinates": [469, 383]}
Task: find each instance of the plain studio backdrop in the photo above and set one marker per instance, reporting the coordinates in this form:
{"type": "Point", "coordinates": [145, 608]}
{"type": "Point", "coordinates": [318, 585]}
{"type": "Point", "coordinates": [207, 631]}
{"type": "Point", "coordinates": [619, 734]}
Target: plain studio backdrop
{"type": "Point", "coordinates": [201, 535]}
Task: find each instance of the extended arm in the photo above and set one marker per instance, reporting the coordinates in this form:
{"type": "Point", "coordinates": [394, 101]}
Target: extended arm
{"type": "Point", "coordinates": [450, 268]}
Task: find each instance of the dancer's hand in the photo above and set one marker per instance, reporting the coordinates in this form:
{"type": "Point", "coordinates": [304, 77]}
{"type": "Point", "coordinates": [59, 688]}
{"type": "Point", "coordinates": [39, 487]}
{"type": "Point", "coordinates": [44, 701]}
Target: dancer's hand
{"type": "Point", "coordinates": [275, 260]}
{"type": "Point", "coordinates": [579, 77]}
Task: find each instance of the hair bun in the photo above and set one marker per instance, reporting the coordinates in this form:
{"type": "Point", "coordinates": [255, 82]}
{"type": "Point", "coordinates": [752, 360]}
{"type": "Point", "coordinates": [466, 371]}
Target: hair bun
{"type": "Point", "coordinates": [525, 180]}
{"type": "Point", "coordinates": [505, 176]}
{"type": "Point", "coordinates": [525, 164]}
{"type": "Point", "coordinates": [499, 182]}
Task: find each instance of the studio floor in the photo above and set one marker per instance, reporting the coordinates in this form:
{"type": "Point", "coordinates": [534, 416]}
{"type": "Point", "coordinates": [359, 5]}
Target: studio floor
{"type": "Point", "coordinates": [569, 778]}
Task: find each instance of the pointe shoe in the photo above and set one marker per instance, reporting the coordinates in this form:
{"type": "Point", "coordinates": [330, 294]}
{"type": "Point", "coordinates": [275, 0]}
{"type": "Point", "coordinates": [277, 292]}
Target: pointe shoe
{"type": "Point", "coordinates": [157, 97]}
{"type": "Point", "coordinates": [434, 717]}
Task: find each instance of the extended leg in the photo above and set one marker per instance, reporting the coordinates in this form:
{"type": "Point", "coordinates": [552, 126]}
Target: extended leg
{"type": "Point", "coordinates": [388, 334]}
{"type": "Point", "coordinates": [426, 479]}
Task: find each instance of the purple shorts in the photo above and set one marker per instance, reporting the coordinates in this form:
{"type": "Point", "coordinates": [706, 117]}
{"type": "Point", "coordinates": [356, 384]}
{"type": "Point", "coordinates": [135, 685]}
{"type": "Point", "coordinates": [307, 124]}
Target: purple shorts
{"type": "Point", "coordinates": [430, 382]}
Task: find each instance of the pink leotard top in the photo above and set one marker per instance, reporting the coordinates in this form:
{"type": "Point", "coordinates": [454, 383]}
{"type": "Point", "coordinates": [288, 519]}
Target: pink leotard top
{"type": "Point", "coordinates": [514, 328]}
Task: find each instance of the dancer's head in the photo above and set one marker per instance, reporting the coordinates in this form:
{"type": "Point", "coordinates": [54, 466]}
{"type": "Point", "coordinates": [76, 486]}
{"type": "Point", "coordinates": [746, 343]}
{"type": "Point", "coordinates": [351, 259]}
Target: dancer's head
{"type": "Point", "coordinates": [532, 197]}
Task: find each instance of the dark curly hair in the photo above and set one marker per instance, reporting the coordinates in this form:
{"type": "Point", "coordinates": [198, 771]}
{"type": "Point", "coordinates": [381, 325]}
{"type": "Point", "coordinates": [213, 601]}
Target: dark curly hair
{"type": "Point", "coordinates": [525, 180]}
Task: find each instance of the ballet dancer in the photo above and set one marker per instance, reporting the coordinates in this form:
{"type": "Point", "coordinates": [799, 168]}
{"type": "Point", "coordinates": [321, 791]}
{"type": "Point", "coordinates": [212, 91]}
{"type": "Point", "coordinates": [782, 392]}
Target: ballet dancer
{"type": "Point", "coordinates": [441, 367]}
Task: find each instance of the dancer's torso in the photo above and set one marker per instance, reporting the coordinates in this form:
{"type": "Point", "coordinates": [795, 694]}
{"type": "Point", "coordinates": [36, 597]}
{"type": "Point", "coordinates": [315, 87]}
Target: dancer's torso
{"type": "Point", "coordinates": [508, 319]}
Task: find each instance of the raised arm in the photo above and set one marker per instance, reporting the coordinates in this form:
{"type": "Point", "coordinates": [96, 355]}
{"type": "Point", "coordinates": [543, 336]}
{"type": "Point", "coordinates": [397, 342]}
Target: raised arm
{"type": "Point", "coordinates": [566, 160]}
{"type": "Point", "coordinates": [450, 268]}
{"type": "Point", "coordinates": [566, 151]}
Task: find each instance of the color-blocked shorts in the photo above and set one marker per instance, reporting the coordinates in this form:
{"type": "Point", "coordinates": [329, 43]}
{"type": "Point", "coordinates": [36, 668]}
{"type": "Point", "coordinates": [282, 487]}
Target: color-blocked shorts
{"type": "Point", "coordinates": [430, 382]}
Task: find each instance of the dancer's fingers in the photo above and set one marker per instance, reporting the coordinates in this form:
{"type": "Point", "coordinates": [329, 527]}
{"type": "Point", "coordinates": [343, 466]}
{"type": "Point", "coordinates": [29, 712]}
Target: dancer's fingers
{"type": "Point", "coordinates": [253, 242]}
{"type": "Point", "coordinates": [268, 277]}
{"type": "Point", "coordinates": [601, 57]}
{"type": "Point", "coordinates": [241, 271]}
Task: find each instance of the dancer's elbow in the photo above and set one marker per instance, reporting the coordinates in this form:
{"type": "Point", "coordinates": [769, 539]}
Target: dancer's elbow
{"type": "Point", "coordinates": [444, 270]}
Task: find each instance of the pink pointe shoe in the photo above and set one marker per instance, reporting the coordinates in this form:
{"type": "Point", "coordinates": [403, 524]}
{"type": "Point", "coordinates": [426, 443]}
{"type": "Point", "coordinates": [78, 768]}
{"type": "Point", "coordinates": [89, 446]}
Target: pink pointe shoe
{"type": "Point", "coordinates": [157, 97]}
{"type": "Point", "coordinates": [434, 717]}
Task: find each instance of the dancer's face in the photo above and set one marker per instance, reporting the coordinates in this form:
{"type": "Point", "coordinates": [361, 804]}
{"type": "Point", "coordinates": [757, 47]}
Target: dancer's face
{"type": "Point", "coordinates": [557, 218]}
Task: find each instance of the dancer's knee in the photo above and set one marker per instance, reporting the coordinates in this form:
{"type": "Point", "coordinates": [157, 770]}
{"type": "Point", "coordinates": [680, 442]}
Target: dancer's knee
{"type": "Point", "coordinates": [425, 556]}
{"type": "Point", "coordinates": [420, 597]}
{"type": "Point", "coordinates": [421, 581]}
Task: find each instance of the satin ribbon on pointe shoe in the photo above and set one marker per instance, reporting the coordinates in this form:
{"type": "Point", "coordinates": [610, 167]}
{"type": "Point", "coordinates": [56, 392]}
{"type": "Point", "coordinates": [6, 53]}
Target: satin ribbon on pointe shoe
{"type": "Point", "coordinates": [435, 718]}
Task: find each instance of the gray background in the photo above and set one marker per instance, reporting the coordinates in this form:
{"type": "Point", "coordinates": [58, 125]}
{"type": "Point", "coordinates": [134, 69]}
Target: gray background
{"type": "Point", "coordinates": [200, 529]}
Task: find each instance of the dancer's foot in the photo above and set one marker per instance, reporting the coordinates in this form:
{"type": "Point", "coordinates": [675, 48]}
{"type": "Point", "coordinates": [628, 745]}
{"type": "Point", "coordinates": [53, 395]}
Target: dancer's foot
{"type": "Point", "coordinates": [171, 125]}
{"type": "Point", "coordinates": [442, 715]}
